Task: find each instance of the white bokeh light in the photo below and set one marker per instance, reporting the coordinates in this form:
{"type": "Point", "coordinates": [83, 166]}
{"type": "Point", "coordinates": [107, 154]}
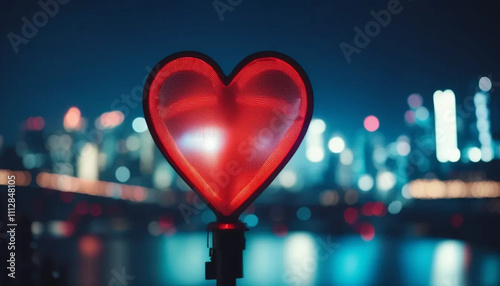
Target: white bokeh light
{"type": "Point", "coordinates": [403, 148]}
{"type": "Point", "coordinates": [474, 154]}
{"type": "Point", "coordinates": [287, 178]}
{"type": "Point", "coordinates": [365, 182]}
{"type": "Point", "coordinates": [315, 154]}
{"type": "Point", "coordinates": [139, 125]}
{"type": "Point", "coordinates": [317, 126]}
{"type": "Point", "coordinates": [346, 157]}
{"type": "Point", "coordinates": [485, 84]}
{"type": "Point", "coordinates": [336, 144]}
{"type": "Point", "coordinates": [385, 180]}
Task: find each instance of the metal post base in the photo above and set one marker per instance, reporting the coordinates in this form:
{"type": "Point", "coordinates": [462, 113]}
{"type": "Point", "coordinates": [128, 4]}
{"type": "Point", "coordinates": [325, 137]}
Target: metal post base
{"type": "Point", "coordinates": [226, 253]}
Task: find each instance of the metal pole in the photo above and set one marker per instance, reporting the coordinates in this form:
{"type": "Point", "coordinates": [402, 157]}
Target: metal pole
{"type": "Point", "coordinates": [226, 253]}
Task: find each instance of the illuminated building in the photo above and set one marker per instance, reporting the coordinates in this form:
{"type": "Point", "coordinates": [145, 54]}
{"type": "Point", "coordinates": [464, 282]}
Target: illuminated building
{"type": "Point", "coordinates": [446, 126]}
{"type": "Point", "coordinates": [483, 124]}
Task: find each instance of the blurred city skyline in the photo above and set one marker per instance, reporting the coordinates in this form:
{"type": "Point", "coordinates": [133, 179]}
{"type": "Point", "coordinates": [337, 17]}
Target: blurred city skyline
{"type": "Point", "coordinates": [71, 62]}
{"type": "Point", "coordinates": [455, 140]}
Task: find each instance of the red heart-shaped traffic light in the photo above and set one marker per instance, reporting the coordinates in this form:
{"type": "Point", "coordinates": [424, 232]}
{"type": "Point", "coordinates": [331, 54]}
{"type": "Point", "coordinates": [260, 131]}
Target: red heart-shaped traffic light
{"type": "Point", "coordinates": [228, 137]}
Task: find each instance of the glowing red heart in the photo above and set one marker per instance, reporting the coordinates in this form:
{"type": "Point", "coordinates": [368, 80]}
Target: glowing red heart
{"type": "Point", "coordinates": [228, 137]}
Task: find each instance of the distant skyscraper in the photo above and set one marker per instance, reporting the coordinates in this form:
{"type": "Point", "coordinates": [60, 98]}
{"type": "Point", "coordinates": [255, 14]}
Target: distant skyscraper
{"type": "Point", "coordinates": [446, 126]}
{"type": "Point", "coordinates": [87, 164]}
{"type": "Point", "coordinates": [483, 124]}
{"type": "Point", "coordinates": [312, 169]}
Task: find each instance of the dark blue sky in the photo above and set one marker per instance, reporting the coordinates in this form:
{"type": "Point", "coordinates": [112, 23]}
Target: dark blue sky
{"type": "Point", "coordinates": [90, 53]}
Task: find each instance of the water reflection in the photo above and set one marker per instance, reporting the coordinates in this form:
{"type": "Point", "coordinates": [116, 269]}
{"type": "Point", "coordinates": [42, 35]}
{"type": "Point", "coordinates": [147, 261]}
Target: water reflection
{"type": "Point", "coordinates": [490, 270]}
{"type": "Point", "coordinates": [416, 258]}
{"type": "Point", "coordinates": [302, 258]}
{"type": "Point", "coordinates": [356, 262]}
{"type": "Point", "coordinates": [449, 266]}
{"type": "Point", "coordinates": [261, 260]}
{"type": "Point", "coordinates": [183, 259]}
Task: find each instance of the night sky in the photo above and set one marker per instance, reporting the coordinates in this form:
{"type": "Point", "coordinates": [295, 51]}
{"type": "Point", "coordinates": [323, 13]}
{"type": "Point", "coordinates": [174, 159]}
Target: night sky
{"type": "Point", "coordinates": [92, 52]}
